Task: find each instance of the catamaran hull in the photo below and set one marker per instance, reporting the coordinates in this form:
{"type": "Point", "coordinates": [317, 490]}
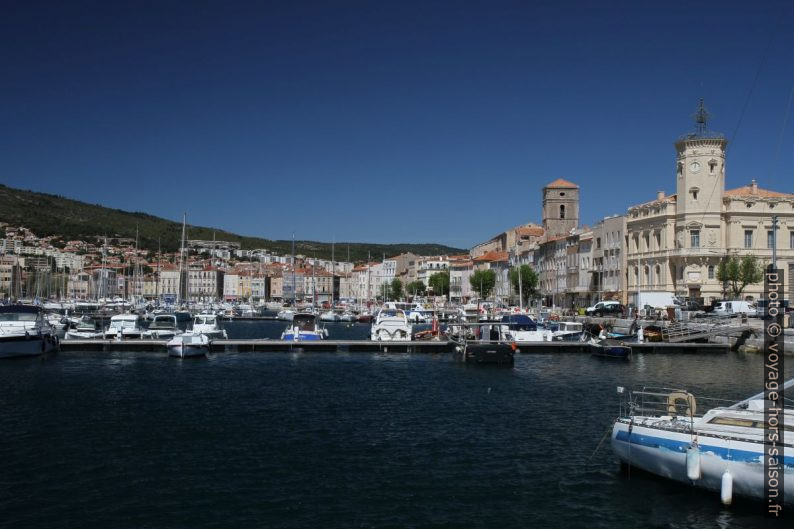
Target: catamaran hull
{"type": "Point", "coordinates": [34, 345]}
{"type": "Point", "coordinates": [663, 453]}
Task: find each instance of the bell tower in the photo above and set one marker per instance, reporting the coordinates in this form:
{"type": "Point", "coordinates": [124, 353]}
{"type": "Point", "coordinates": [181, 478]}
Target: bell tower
{"type": "Point", "coordinates": [560, 207]}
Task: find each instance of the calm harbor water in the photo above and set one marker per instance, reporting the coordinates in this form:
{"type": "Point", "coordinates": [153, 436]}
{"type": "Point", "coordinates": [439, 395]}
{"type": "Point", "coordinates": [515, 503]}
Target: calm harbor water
{"type": "Point", "coordinates": [340, 440]}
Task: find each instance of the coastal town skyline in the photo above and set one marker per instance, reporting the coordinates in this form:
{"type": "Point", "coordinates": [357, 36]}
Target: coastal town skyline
{"type": "Point", "coordinates": [258, 138]}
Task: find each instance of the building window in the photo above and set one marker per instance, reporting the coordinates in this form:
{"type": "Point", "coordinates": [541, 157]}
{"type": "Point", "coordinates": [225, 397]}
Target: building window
{"type": "Point", "coordinates": [598, 242]}
{"type": "Point", "coordinates": [658, 278]}
{"type": "Point", "coordinates": [770, 239]}
{"type": "Point", "coordinates": [694, 238]}
{"type": "Point", "coordinates": [562, 212]}
{"type": "Point", "coordinates": [791, 243]}
{"type": "Point", "coordinates": [711, 271]}
{"type": "Point", "coordinates": [748, 238]}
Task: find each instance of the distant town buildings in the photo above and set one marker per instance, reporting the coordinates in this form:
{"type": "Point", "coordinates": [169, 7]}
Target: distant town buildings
{"type": "Point", "coordinates": [672, 243]}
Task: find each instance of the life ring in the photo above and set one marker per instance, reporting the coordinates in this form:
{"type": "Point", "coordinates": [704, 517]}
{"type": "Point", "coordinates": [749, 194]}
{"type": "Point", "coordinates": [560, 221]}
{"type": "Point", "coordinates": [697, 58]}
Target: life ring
{"type": "Point", "coordinates": [689, 400]}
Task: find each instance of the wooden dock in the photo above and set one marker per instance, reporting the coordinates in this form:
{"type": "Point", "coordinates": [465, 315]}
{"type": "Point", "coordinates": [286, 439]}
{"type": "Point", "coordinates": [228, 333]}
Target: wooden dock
{"type": "Point", "coordinates": [366, 346]}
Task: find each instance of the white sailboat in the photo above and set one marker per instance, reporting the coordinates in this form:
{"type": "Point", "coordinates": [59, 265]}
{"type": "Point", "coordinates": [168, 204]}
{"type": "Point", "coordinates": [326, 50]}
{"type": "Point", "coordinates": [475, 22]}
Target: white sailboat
{"type": "Point", "coordinates": [660, 431]}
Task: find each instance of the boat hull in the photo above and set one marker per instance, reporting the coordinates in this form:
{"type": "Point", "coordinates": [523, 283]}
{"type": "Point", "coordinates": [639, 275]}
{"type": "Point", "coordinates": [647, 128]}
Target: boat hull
{"type": "Point", "coordinates": [187, 350]}
{"type": "Point", "coordinates": [618, 352]}
{"type": "Point", "coordinates": [301, 337]}
{"type": "Point", "coordinates": [663, 453]}
{"type": "Point", "coordinates": [493, 354]}
{"type": "Point", "coordinates": [32, 345]}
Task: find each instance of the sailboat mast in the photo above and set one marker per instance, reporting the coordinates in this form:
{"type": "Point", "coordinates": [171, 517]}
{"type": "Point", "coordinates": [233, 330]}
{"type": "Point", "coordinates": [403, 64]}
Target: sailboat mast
{"type": "Point", "coordinates": [293, 269]}
{"type": "Point", "coordinates": [181, 259]}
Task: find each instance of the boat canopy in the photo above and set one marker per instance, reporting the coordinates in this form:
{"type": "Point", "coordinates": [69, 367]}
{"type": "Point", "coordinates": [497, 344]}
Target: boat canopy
{"type": "Point", "coordinates": [519, 322]}
{"type": "Point", "coordinates": [19, 309]}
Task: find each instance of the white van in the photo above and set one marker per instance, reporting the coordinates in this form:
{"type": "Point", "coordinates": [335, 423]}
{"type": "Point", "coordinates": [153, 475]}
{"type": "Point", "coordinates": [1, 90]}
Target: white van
{"type": "Point", "coordinates": [729, 308]}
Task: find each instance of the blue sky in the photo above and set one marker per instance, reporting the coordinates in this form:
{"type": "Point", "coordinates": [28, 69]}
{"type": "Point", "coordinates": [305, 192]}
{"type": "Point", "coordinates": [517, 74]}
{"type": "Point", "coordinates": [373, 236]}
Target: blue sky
{"type": "Point", "coordinates": [384, 121]}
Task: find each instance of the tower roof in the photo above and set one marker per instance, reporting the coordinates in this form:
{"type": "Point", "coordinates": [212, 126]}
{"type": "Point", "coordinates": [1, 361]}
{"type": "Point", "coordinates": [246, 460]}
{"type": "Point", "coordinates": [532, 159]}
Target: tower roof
{"type": "Point", "coordinates": [562, 183]}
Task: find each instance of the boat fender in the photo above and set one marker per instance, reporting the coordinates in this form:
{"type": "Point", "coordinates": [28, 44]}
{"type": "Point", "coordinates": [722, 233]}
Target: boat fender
{"type": "Point", "coordinates": [726, 490]}
{"type": "Point", "coordinates": [688, 399]}
{"type": "Point", "coordinates": [693, 462]}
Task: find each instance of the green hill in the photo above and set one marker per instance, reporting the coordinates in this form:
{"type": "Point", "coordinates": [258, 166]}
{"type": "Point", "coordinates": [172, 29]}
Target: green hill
{"type": "Point", "coordinates": [46, 215]}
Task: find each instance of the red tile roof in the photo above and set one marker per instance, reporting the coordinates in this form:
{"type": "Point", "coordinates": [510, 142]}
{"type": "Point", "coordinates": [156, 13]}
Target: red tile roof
{"type": "Point", "coordinates": [492, 257]}
{"type": "Point", "coordinates": [562, 183]}
{"type": "Point", "coordinates": [531, 231]}
{"type": "Point", "coordinates": [763, 193]}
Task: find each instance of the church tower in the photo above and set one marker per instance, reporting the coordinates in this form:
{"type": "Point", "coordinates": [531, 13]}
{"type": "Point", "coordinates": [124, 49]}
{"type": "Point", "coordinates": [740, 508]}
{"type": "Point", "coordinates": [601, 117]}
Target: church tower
{"type": "Point", "coordinates": [560, 208]}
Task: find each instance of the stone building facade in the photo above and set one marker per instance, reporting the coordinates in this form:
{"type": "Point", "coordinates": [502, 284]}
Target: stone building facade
{"type": "Point", "coordinates": [675, 243]}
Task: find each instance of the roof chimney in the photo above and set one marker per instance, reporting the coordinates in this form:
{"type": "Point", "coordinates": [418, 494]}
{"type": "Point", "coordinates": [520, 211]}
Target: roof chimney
{"type": "Point", "coordinates": [660, 195]}
{"type": "Point", "coordinates": [753, 187]}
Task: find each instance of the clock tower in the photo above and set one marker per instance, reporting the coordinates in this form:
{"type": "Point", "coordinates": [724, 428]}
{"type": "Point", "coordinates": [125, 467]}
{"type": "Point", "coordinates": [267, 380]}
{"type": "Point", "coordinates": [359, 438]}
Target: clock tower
{"type": "Point", "coordinates": [700, 170]}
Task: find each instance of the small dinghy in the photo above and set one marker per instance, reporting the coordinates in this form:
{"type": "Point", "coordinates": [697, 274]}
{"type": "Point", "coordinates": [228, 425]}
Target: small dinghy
{"type": "Point", "coordinates": [619, 352]}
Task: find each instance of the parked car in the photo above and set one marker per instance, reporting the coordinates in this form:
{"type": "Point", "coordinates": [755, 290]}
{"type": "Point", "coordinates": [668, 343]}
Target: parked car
{"type": "Point", "coordinates": [606, 308]}
{"type": "Point", "coordinates": [760, 307]}
{"type": "Point", "coordinates": [690, 304]}
{"type": "Point", "coordinates": [734, 308]}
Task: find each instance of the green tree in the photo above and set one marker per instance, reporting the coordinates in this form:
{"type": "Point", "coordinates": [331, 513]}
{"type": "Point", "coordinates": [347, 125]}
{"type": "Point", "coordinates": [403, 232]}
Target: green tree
{"type": "Point", "coordinates": [439, 282]}
{"type": "Point", "coordinates": [529, 281]}
{"type": "Point", "coordinates": [735, 274]}
{"type": "Point", "coordinates": [396, 289]}
{"type": "Point", "coordinates": [415, 288]}
{"type": "Point", "coordinates": [483, 281]}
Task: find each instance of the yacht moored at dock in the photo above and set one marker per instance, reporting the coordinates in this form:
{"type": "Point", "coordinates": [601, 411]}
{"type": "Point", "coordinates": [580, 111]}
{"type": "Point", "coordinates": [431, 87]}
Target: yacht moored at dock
{"type": "Point", "coordinates": [25, 332]}
{"type": "Point", "coordinates": [391, 325]}
{"type": "Point", "coordinates": [304, 327]}
{"type": "Point", "coordinates": [124, 327]}
{"type": "Point", "coordinates": [84, 329]}
{"type": "Point", "coordinates": [188, 344]}
{"type": "Point", "coordinates": [163, 327]}
{"type": "Point", "coordinates": [206, 323]}
{"type": "Point", "coordinates": [521, 328]}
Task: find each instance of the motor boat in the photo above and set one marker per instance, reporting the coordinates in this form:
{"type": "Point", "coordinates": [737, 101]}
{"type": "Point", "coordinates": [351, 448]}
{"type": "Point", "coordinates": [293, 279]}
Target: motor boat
{"type": "Point", "coordinates": [188, 344]}
{"type": "Point", "coordinates": [521, 328]}
{"type": "Point", "coordinates": [124, 327]}
{"type": "Point", "coordinates": [391, 325]}
{"type": "Point", "coordinates": [304, 327]}
{"type": "Point", "coordinates": [330, 316]}
{"type": "Point", "coordinates": [569, 331]}
{"type": "Point", "coordinates": [348, 317]}
{"type": "Point", "coordinates": [24, 331]}
{"type": "Point", "coordinates": [207, 323]}
{"type": "Point", "coordinates": [285, 315]}
{"type": "Point", "coordinates": [84, 329]}
{"type": "Point", "coordinates": [163, 327]}
{"type": "Point", "coordinates": [661, 431]}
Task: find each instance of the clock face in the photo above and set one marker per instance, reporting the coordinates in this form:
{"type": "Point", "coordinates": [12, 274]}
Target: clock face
{"type": "Point", "coordinates": [694, 167]}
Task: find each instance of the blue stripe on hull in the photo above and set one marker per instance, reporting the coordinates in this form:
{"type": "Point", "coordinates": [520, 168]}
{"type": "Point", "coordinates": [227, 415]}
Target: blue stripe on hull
{"type": "Point", "coordinates": [729, 454]}
{"type": "Point", "coordinates": [302, 337]}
